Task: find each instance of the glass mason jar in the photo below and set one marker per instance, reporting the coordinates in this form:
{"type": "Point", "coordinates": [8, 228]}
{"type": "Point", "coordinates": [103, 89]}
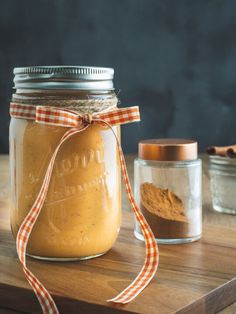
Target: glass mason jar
{"type": "Point", "coordinates": [167, 187]}
{"type": "Point", "coordinates": [222, 172]}
{"type": "Point", "coordinates": [81, 215]}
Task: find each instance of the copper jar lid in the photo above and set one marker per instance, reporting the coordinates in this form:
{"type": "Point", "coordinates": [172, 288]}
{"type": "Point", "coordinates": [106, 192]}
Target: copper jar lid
{"type": "Point", "coordinates": [170, 149]}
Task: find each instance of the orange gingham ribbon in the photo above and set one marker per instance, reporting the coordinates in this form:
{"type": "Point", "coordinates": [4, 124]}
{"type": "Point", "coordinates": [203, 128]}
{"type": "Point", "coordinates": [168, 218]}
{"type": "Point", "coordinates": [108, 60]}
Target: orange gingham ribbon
{"type": "Point", "coordinates": [78, 123]}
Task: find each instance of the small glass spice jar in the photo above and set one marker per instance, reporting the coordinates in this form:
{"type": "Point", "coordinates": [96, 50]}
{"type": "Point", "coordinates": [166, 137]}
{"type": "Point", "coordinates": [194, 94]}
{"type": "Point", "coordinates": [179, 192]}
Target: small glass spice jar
{"type": "Point", "coordinates": [81, 214]}
{"type": "Point", "coordinates": [222, 172]}
{"type": "Point", "coordinates": [168, 176]}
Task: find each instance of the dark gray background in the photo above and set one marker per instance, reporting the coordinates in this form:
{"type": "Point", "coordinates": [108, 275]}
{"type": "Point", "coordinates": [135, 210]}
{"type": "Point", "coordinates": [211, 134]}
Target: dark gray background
{"type": "Point", "coordinates": [176, 59]}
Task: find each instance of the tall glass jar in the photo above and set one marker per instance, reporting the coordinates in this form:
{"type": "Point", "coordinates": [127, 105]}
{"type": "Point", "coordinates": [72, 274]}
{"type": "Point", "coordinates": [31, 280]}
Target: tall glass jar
{"type": "Point", "coordinates": [167, 187]}
{"type": "Point", "coordinates": [81, 215]}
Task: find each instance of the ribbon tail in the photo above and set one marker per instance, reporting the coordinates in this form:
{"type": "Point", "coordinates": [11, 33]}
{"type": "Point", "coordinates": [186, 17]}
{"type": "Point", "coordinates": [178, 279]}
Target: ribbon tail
{"type": "Point", "coordinates": [150, 266]}
{"type": "Point", "coordinates": [47, 304]}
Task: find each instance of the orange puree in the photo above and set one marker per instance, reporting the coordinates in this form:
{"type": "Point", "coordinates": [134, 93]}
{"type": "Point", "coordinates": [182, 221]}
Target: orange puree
{"type": "Point", "coordinates": [81, 214]}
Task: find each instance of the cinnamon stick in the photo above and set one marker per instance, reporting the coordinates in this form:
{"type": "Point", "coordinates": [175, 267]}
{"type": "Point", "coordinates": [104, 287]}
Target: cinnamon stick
{"type": "Point", "coordinates": [223, 151]}
{"type": "Point", "coordinates": [231, 152]}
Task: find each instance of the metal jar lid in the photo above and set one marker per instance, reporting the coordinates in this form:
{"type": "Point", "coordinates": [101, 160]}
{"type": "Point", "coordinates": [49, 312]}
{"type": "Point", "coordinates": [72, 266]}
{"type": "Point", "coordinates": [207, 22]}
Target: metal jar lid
{"type": "Point", "coordinates": [171, 149]}
{"type": "Point", "coordinates": [64, 77]}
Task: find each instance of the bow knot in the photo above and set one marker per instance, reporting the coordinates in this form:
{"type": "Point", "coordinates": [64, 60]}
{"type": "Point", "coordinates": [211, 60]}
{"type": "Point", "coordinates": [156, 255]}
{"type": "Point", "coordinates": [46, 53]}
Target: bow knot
{"type": "Point", "coordinates": [87, 118]}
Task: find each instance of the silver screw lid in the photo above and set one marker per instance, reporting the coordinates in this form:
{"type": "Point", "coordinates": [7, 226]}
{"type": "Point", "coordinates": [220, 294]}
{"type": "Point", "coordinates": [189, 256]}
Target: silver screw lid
{"type": "Point", "coordinates": [64, 77]}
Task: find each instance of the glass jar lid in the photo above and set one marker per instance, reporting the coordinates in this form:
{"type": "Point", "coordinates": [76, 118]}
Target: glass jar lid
{"type": "Point", "coordinates": [64, 77]}
{"type": "Point", "coordinates": [170, 149]}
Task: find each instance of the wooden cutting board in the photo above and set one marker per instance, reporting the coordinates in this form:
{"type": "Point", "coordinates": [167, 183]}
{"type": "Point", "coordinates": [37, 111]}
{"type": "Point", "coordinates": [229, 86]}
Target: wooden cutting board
{"type": "Point", "coordinates": [192, 278]}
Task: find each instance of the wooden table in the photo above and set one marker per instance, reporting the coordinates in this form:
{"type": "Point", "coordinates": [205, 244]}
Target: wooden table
{"type": "Point", "coordinates": [185, 282]}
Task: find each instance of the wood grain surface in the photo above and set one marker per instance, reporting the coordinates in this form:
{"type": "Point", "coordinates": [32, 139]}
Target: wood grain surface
{"type": "Point", "coordinates": [192, 278]}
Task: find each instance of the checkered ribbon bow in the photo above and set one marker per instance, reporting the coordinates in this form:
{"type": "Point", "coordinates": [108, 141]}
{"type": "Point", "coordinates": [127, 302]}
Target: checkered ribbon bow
{"type": "Point", "coordinates": [78, 123]}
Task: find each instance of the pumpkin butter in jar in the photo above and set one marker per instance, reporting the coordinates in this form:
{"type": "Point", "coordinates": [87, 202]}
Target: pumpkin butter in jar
{"type": "Point", "coordinates": [81, 215]}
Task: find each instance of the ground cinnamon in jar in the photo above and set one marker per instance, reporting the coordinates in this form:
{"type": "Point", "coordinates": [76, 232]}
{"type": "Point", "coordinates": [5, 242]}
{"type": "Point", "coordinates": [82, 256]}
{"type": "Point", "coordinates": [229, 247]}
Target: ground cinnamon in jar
{"type": "Point", "coordinates": [168, 189]}
{"type": "Point", "coordinates": [164, 211]}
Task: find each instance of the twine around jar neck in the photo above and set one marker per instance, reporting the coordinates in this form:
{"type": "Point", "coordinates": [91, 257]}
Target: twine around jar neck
{"type": "Point", "coordinates": [90, 105]}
